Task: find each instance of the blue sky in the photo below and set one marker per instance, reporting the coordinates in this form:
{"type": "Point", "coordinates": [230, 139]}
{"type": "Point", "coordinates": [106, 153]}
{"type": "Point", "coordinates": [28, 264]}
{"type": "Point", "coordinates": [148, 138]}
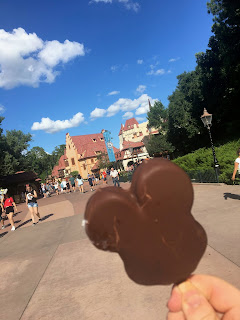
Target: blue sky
{"type": "Point", "coordinates": [81, 66]}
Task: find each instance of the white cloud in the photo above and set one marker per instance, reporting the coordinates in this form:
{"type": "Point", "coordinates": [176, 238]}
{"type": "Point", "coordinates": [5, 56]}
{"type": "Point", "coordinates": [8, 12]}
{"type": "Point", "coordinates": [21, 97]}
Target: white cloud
{"type": "Point", "coordinates": [139, 61]}
{"type": "Point", "coordinates": [129, 4]}
{"type": "Point", "coordinates": [156, 72]}
{"type": "Point", "coordinates": [114, 68]}
{"type": "Point", "coordinates": [2, 109]}
{"type": "Point", "coordinates": [51, 126]}
{"type": "Point", "coordinates": [144, 104]}
{"type": "Point", "coordinates": [55, 52]}
{"type": "Point", "coordinates": [126, 105]}
{"type": "Point", "coordinates": [173, 59]}
{"type": "Point", "coordinates": [113, 93]}
{"type": "Point", "coordinates": [97, 113]}
{"type": "Point", "coordinates": [25, 59]}
{"type": "Point", "coordinates": [140, 119]}
{"type": "Point", "coordinates": [128, 115]}
{"type": "Point", "coordinates": [140, 89]}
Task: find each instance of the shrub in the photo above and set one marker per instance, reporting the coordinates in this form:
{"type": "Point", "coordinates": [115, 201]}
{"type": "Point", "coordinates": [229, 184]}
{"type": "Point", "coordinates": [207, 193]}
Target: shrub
{"type": "Point", "coordinates": [74, 174]}
{"type": "Point", "coordinates": [202, 160]}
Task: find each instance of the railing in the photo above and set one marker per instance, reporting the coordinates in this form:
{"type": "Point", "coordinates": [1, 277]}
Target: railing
{"type": "Point", "coordinates": [202, 176]}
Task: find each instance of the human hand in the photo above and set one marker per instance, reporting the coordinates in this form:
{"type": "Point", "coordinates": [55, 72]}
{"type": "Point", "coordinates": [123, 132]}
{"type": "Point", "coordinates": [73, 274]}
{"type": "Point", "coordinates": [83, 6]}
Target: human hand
{"type": "Point", "coordinates": [204, 297]}
{"type": "Point", "coordinates": [233, 178]}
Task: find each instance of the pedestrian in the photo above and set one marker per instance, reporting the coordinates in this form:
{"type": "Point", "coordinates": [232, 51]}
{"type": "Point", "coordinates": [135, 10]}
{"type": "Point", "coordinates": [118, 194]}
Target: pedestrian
{"type": "Point", "coordinates": [64, 185]}
{"type": "Point", "coordinates": [115, 177]}
{"type": "Point", "coordinates": [93, 180]}
{"type": "Point", "coordinates": [8, 205]}
{"type": "Point", "coordinates": [104, 175]}
{"type": "Point", "coordinates": [79, 181]}
{"type": "Point", "coordinates": [68, 186]}
{"type": "Point", "coordinates": [90, 181]}
{"type": "Point", "coordinates": [43, 187]}
{"type": "Point", "coordinates": [56, 186]}
{"type": "Point", "coordinates": [1, 215]}
{"type": "Point", "coordinates": [31, 202]}
{"type": "Point", "coordinates": [236, 165]}
{"type": "Point", "coordinates": [72, 181]}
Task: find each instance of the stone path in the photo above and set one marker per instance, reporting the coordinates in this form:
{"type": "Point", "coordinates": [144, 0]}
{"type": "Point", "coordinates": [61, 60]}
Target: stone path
{"type": "Point", "coordinates": [52, 271]}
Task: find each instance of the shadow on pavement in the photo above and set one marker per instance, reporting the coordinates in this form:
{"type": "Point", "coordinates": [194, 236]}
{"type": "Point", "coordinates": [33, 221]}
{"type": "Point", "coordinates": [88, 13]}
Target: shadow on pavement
{"type": "Point", "coordinates": [3, 234]}
{"type": "Point", "coordinates": [231, 196]}
{"type": "Point", "coordinates": [47, 216]}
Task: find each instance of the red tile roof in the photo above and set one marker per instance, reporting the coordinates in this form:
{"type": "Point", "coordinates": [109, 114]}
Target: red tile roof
{"type": "Point", "coordinates": [88, 145]}
{"type": "Point", "coordinates": [122, 127]}
{"type": "Point", "coordinates": [129, 124]}
{"type": "Point", "coordinates": [128, 144]}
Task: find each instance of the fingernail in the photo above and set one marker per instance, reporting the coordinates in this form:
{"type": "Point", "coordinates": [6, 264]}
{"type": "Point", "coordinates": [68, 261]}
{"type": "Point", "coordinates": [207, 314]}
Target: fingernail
{"type": "Point", "coordinates": [190, 295]}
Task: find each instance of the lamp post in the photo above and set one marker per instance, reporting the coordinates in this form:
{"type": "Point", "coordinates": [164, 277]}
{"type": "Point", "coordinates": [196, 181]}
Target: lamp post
{"type": "Point", "coordinates": [207, 121]}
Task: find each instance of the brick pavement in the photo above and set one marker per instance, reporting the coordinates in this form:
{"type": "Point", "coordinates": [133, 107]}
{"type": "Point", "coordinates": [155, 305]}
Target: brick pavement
{"type": "Point", "coordinates": [52, 271]}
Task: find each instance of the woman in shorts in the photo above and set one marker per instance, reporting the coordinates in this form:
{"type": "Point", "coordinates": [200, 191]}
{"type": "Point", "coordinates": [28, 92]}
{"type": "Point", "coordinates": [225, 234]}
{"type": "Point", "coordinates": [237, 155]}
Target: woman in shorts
{"type": "Point", "coordinates": [80, 183]}
{"type": "Point", "coordinates": [31, 202]}
{"type": "Point", "coordinates": [8, 205]}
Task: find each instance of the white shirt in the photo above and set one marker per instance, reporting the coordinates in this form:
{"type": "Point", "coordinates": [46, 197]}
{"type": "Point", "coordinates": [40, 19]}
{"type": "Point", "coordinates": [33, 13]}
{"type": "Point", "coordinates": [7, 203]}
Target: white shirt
{"type": "Point", "coordinates": [114, 173]}
{"type": "Point", "coordinates": [238, 161]}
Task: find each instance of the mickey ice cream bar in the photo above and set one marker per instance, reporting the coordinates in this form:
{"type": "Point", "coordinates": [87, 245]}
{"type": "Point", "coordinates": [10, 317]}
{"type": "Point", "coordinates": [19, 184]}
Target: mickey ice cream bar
{"type": "Point", "coordinates": [150, 225]}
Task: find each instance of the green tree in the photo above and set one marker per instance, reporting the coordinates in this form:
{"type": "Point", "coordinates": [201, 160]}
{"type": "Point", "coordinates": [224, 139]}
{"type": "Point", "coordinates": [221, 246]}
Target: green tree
{"type": "Point", "coordinates": [15, 144]}
{"type": "Point", "coordinates": [57, 153]}
{"type": "Point", "coordinates": [158, 145]}
{"type": "Point", "coordinates": [158, 116]}
{"type": "Point", "coordinates": [103, 160]}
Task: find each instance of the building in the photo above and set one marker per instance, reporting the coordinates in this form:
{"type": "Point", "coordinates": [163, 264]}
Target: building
{"type": "Point", "coordinates": [81, 154]}
{"type": "Point", "coordinates": [134, 131]}
{"type": "Point", "coordinates": [131, 137]}
{"type": "Point", "coordinates": [131, 151]}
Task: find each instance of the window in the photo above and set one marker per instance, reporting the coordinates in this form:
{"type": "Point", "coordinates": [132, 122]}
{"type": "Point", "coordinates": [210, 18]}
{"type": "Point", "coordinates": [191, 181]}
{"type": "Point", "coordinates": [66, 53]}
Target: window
{"type": "Point", "coordinates": [92, 160]}
{"type": "Point", "coordinates": [94, 140]}
{"type": "Point", "coordinates": [66, 163]}
{"type": "Point", "coordinates": [101, 139]}
{"type": "Point", "coordinates": [84, 166]}
{"type": "Point", "coordinates": [69, 146]}
{"type": "Point", "coordinates": [97, 152]}
{"type": "Point", "coordinates": [73, 161]}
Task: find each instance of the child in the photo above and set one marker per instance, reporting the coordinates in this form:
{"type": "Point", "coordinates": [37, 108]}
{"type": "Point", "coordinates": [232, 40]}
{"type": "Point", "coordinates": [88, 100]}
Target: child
{"type": "Point", "coordinates": [90, 180]}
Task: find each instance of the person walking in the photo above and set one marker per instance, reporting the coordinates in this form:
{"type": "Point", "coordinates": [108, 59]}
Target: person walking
{"type": "Point", "coordinates": [1, 215]}
{"type": "Point", "coordinates": [236, 165]}
{"type": "Point", "coordinates": [43, 187]}
{"type": "Point", "coordinates": [56, 186]}
{"type": "Point", "coordinates": [115, 177]}
{"type": "Point", "coordinates": [80, 183]}
{"type": "Point", "coordinates": [31, 202]}
{"type": "Point", "coordinates": [90, 181]}
{"type": "Point", "coordinates": [8, 205]}
{"type": "Point", "coordinates": [72, 181]}
{"type": "Point", "coordinates": [104, 175]}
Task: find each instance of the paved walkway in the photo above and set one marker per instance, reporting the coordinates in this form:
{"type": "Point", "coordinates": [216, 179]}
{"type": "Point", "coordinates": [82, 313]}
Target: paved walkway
{"type": "Point", "coordinates": [52, 271]}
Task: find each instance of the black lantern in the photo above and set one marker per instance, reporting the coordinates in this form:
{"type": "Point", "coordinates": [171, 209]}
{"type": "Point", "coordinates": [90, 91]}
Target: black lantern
{"type": "Point", "coordinates": [207, 121]}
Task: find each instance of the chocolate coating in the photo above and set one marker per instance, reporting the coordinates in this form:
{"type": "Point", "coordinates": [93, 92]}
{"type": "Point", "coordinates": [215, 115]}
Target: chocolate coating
{"type": "Point", "coordinates": [150, 225]}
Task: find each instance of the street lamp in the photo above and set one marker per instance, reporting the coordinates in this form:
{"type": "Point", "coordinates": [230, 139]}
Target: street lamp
{"type": "Point", "coordinates": [207, 121]}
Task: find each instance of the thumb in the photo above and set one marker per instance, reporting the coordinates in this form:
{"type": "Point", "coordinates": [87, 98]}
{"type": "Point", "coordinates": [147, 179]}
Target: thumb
{"type": "Point", "coordinates": [194, 305]}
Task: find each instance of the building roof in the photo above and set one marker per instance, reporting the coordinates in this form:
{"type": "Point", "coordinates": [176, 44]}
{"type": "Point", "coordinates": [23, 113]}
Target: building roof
{"type": "Point", "coordinates": [89, 145]}
{"type": "Point", "coordinates": [17, 178]}
{"type": "Point", "coordinates": [127, 144]}
{"type": "Point", "coordinates": [129, 124]}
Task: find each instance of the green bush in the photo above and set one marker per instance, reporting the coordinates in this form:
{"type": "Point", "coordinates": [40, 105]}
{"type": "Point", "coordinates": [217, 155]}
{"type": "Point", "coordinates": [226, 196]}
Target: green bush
{"type": "Point", "coordinates": [202, 160]}
{"type": "Point", "coordinates": [74, 174]}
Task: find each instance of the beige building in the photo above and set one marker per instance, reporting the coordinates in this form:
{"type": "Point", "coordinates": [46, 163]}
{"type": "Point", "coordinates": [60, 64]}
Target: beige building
{"type": "Point", "coordinates": [134, 132]}
{"type": "Point", "coordinates": [81, 154]}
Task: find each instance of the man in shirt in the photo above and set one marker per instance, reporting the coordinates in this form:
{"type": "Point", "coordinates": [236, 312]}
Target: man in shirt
{"type": "Point", "coordinates": [115, 177]}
